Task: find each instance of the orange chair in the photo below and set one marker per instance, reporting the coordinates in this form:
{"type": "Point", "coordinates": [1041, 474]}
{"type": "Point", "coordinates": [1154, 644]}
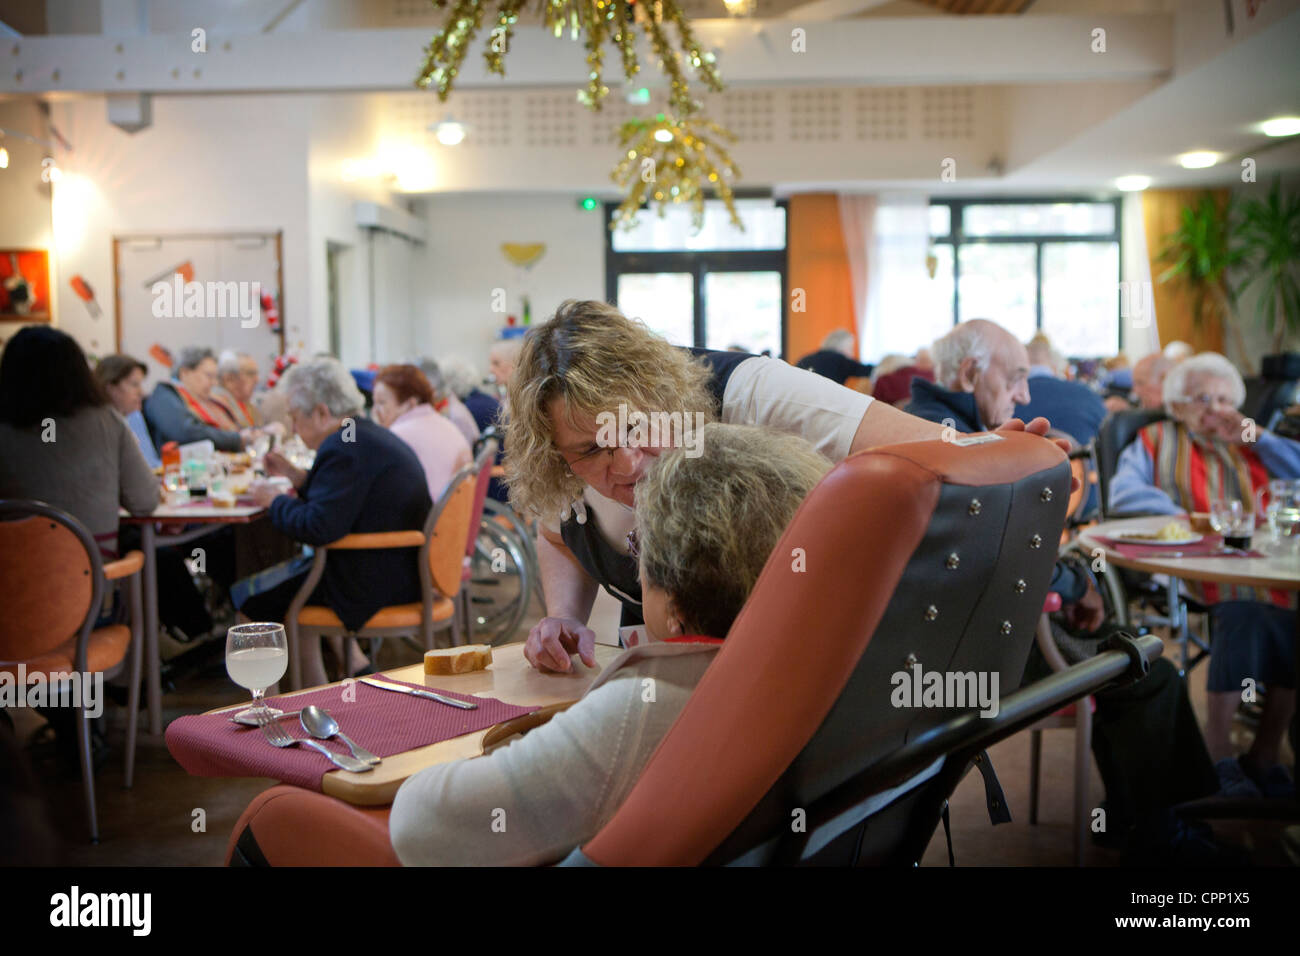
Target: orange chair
{"type": "Point", "coordinates": [52, 584]}
{"type": "Point", "coordinates": [441, 555]}
{"type": "Point", "coordinates": [289, 826]}
{"type": "Point", "coordinates": [483, 468]}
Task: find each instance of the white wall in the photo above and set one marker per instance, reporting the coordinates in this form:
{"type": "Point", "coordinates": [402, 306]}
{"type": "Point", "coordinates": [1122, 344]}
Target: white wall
{"type": "Point", "coordinates": [206, 165]}
{"type": "Point", "coordinates": [462, 264]}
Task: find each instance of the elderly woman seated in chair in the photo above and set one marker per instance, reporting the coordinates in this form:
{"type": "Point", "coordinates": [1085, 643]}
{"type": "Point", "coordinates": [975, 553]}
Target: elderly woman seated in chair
{"type": "Point", "coordinates": [364, 480]}
{"type": "Point", "coordinates": [1208, 449]}
{"type": "Point", "coordinates": [707, 525]}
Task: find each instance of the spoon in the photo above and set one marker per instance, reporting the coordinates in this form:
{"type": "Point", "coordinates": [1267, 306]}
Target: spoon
{"type": "Point", "coordinates": [322, 726]}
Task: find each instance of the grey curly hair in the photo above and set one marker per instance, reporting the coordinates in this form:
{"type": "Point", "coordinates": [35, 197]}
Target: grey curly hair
{"type": "Point", "coordinates": [323, 381]}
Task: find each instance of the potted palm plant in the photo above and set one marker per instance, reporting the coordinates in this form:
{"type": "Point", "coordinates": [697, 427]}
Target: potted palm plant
{"type": "Point", "coordinates": [1202, 255]}
{"type": "Point", "coordinates": [1269, 239]}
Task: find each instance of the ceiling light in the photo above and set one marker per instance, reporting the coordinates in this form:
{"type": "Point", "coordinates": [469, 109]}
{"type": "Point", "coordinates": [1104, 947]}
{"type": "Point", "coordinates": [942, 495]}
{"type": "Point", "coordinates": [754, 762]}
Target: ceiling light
{"type": "Point", "coordinates": [1281, 126]}
{"type": "Point", "coordinates": [1199, 159]}
{"type": "Point", "coordinates": [1132, 184]}
{"type": "Point", "coordinates": [450, 133]}
{"type": "Point", "coordinates": [4, 158]}
{"type": "Point", "coordinates": [739, 8]}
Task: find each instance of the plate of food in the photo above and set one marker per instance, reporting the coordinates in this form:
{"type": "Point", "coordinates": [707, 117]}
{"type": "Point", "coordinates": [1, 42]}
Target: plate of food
{"type": "Point", "coordinates": [1174, 533]}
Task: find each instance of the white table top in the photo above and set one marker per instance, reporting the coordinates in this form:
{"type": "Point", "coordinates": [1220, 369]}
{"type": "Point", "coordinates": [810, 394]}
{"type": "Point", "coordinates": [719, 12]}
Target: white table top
{"type": "Point", "coordinates": [198, 509]}
{"type": "Point", "coordinates": [1279, 568]}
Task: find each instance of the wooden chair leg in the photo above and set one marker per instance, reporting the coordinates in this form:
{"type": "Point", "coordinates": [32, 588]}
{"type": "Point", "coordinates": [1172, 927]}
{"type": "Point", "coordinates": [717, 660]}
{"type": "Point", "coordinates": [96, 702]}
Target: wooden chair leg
{"type": "Point", "coordinates": [1082, 770]}
{"type": "Point", "coordinates": [295, 653]}
{"type": "Point", "coordinates": [1035, 765]}
{"type": "Point", "coordinates": [133, 696]}
{"type": "Point", "coordinates": [87, 770]}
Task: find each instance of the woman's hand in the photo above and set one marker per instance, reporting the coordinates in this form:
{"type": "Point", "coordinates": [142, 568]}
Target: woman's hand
{"type": "Point", "coordinates": [553, 639]}
{"type": "Point", "coordinates": [263, 493]}
{"type": "Point", "coordinates": [277, 464]}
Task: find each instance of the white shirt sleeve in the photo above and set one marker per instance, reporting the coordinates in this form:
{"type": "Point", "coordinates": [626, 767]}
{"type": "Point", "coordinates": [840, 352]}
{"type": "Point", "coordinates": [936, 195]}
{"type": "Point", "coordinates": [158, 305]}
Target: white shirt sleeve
{"type": "Point", "coordinates": [769, 392]}
{"type": "Point", "coordinates": [535, 799]}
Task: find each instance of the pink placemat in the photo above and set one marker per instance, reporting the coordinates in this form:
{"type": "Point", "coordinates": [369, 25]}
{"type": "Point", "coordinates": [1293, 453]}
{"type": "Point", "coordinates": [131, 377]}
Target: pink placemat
{"type": "Point", "coordinates": [383, 721]}
{"type": "Point", "coordinates": [1207, 547]}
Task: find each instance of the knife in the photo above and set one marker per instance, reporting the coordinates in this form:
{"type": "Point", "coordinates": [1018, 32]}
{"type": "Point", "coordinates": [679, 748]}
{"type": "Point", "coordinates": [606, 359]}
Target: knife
{"type": "Point", "coordinates": [403, 689]}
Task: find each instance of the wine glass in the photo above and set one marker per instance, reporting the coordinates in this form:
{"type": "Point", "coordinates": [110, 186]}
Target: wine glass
{"type": "Point", "coordinates": [256, 658]}
{"type": "Point", "coordinates": [1229, 517]}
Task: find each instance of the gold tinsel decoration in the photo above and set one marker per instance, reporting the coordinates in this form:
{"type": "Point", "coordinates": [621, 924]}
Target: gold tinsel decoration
{"type": "Point", "coordinates": [669, 160]}
{"type": "Point", "coordinates": [595, 21]}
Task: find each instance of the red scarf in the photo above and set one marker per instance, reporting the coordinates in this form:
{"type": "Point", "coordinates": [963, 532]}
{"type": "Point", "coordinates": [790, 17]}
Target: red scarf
{"type": "Point", "coordinates": [196, 407]}
{"type": "Point", "coordinates": [243, 417]}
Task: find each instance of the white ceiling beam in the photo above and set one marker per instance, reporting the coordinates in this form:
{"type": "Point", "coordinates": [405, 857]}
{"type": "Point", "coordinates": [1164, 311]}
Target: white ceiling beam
{"type": "Point", "coordinates": [914, 50]}
{"type": "Point", "coordinates": [829, 9]}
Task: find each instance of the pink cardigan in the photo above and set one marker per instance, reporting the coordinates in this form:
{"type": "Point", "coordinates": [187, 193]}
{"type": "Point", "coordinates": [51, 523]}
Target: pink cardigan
{"type": "Point", "coordinates": [438, 444]}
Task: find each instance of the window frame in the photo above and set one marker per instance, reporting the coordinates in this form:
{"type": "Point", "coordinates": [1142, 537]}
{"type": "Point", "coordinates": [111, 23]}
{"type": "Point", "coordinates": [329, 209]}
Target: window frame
{"type": "Point", "coordinates": [698, 263]}
{"type": "Point", "coordinates": [957, 237]}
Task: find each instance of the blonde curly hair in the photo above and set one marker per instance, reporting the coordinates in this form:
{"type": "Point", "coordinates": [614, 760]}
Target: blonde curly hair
{"type": "Point", "coordinates": [594, 358]}
{"type": "Point", "coordinates": [706, 526]}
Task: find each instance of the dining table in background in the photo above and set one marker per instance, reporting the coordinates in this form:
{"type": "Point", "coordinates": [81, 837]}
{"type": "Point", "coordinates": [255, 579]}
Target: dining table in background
{"type": "Point", "coordinates": [1278, 568]}
{"type": "Point", "coordinates": [509, 678]}
{"type": "Point", "coordinates": [200, 518]}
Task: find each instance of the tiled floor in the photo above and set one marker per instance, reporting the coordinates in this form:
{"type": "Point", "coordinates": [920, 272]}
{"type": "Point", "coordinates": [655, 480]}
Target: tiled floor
{"type": "Point", "coordinates": [158, 823]}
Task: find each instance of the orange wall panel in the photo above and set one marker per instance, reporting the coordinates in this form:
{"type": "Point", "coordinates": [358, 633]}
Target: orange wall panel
{"type": "Point", "coordinates": [818, 265]}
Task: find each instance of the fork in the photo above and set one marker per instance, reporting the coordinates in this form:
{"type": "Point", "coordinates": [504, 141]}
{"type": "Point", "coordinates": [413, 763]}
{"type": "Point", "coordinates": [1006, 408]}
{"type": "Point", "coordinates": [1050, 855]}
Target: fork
{"type": "Point", "coordinates": [277, 736]}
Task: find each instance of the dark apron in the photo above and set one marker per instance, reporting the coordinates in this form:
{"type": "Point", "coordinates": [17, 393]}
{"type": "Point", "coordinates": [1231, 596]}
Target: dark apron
{"type": "Point", "coordinates": [618, 573]}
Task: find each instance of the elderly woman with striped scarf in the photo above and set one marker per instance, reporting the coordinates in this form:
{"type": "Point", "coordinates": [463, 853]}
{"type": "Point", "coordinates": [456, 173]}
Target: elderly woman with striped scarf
{"type": "Point", "coordinates": [1208, 450]}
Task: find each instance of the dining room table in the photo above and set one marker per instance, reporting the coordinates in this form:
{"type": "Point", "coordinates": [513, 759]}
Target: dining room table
{"type": "Point", "coordinates": [200, 517]}
{"type": "Point", "coordinates": [509, 679]}
{"type": "Point", "coordinates": [1266, 563]}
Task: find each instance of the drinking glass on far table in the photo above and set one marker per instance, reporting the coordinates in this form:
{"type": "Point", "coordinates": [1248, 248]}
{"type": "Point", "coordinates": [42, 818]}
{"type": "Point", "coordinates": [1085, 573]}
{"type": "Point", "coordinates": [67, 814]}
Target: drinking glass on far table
{"type": "Point", "coordinates": [1284, 509]}
{"type": "Point", "coordinates": [256, 658]}
{"type": "Point", "coordinates": [1230, 518]}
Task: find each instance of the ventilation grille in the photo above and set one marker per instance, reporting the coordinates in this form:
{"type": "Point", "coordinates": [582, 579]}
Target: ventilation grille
{"type": "Point", "coordinates": [748, 114]}
{"type": "Point", "coordinates": [948, 112]}
{"type": "Point", "coordinates": [815, 116]}
{"type": "Point", "coordinates": [881, 115]}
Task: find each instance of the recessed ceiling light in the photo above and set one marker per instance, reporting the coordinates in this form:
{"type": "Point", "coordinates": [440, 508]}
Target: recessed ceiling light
{"type": "Point", "coordinates": [1281, 126]}
{"type": "Point", "coordinates": [1199, 159]}
{"type": "Point", "coordinates": [1132, 184]}
{"type": "Point", "coordinates": [450, 133]}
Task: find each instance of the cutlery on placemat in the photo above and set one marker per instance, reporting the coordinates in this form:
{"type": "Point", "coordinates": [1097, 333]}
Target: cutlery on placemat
{"type": "Point", "coordinates": [277, 736]}
{"type": "Point", "coordinates": [322, 726]}
{"type": "Point", "coordinates": [252, 721]}
{"type": "Point", "coordinates": [403, 689]}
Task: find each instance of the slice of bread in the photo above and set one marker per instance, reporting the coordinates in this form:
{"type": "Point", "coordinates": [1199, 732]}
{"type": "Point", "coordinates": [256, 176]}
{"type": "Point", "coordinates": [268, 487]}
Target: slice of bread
{"type": "Point", "coordinates": [458, 660]}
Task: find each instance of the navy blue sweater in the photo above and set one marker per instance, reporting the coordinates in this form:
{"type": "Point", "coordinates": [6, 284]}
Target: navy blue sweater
{"type": "Point", "coordinates": [374, 483]}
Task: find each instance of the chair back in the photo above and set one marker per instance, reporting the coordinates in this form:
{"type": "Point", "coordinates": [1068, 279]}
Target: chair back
{"type": "Point", "coordinates": [445, 532]}
{"type": "Point", "coordinates": [483, 462]}
{"type": "Point", "coordinates": [927, 555]}
{"type": "Point", "coordinates": [1117, 433]}
{"type": "Point", "coordinates": [51, 580]}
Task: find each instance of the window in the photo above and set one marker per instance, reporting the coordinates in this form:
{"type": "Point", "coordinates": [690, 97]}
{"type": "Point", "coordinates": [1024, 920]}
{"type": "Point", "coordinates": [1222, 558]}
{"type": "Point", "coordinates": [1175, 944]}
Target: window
{"type": "Point", "coordinates": [1029, 265]}
{"type": "Point", "coordinates": [715, 288]}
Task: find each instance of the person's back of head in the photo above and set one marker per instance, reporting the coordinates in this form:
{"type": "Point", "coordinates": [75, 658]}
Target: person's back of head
{"type": "Point", "coordinates": [458, 375]}
{"type": "Point", "coordinates": [708, 523]}
{"type": "Point", "coordinates": [974, 339]}
{"type": "Point", "coordinates": [44, 374]}
{"type": "Point", "coordinates": [840, 340]}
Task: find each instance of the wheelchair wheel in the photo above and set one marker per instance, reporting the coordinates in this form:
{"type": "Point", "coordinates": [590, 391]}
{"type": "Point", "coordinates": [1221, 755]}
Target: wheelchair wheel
{"type": "Point", "coordinates": [500, 586]}
{"type": "Point", "coordinates": [504, 513]}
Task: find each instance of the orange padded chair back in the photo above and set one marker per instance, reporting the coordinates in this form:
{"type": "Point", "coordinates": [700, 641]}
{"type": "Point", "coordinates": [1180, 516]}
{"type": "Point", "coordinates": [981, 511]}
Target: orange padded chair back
{"type": "Point", "coordinates": [482, 479]}
{"type": "Point", "coordinates": [448, 529]}
{"type": "Point", "coordinates": [49, 582]}
{"type": "Point", "coordinates": [952, 546]}
{"type": "Point", "coordinates": [289, 826]}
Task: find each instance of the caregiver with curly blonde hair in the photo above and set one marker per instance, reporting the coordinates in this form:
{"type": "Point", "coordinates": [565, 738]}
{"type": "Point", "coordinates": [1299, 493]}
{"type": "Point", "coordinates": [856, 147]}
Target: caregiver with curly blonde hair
{"type": "Point", "coordinates": [595, 397]}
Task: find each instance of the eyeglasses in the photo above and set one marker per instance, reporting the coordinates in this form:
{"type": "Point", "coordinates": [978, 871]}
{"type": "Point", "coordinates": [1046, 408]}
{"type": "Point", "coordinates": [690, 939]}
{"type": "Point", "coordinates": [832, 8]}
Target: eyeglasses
{"type": "Point", "coordinates": [1205, 400]}
{"type": "Point", "coordinates": [586, 458]}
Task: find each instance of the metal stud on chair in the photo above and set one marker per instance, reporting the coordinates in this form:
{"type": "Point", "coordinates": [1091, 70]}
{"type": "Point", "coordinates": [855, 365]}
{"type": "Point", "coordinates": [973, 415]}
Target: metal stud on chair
{"type": "Point", "coordinates": [975, 507]}
{"type": "Point", "coordinates": [1046, 495]}
{"type": "Point", "coordinates": [1036, 541]}
{"type": "Point", "coordinates": [931, 613]}
{"type": "Point", "coordinates": [952, 562]}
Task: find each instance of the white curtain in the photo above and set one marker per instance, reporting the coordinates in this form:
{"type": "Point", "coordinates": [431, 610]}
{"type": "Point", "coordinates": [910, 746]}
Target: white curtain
{"type": "Point", "coordinates": [857, 222]}
{"type": "Point", "coordinates": [894, 310]}
{"type": "Point", "coordinates": [1140, 333]}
